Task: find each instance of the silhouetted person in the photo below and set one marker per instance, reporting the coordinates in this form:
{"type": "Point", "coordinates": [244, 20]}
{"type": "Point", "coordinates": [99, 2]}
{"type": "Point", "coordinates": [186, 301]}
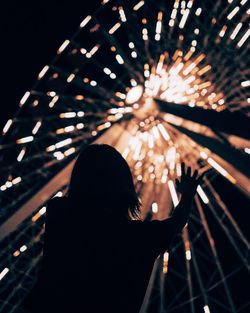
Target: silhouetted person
{"type": "Point", "coordinates": [98, 256]}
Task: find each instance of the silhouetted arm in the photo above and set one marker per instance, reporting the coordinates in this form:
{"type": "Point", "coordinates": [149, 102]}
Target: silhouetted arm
{"type": "Point", "coordinates": [167, 229]}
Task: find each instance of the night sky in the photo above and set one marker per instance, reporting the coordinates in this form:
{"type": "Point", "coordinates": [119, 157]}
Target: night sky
{"type": "Point", "coordinates": [31, 32]}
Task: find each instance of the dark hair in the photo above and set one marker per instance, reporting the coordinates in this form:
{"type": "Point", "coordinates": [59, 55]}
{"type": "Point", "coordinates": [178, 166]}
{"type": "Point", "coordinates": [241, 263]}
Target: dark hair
{"type": "Point", "coordinates": [101, 178]}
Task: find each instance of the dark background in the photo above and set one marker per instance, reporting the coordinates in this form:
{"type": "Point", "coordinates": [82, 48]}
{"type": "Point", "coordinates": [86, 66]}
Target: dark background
{"type": "Point", "coordinates": [31, 33]}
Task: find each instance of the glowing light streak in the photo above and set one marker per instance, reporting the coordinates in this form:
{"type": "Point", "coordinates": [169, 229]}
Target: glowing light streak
{"type": "Point", "coordinates": [184, 18]}
{"type": "Point", "coordinates": [134, 94]}
{"type": "Point", "coordinates": [85, 21]}
{"type": "Point", "coordinates": [68, 115]}
{"type": "Point", "coordinates": [25, 139]}
{"type": "Point", "coordinates": [24, 98]}
{"type": "Point", "coordinates": [119, 59]}
{"type": "Point", "coordinates": [154, 207]}
{"type": "Point", "coordinates": [204, 70]}
{"type": "Point", "coordinates": [221, 170]}
{"type": "Point", "coordinates": [23, 248]}
{"type": "Point", "coordinates": [36, 128]}
{"type": "Point", "coordinates": [16, 180]}
{"type": "Point", "coordinates": [21, 155]}
{"type": "Point", "coordinates": [202, 194]}
{"type": "Point", "coordinates": [188, 255]}
{"type": "Point", "coordinates": [244, 38]}
{"type": "Point", "coordinates": [206, 309]}
{"type": "Point", "coordinates": [246, 83]}
{"type": "Point", "coordinates": [43, 71]}
{"type": "Point", "coordinates": [4, 272]}
{"type": "Point", "coordinates": [70, 78]}
{"type": "Point", "coordinates": [247, 150]}
{"type": "Point", "coordinates": [63, 46]}
{"type": "Point", "coordinates": [114, 28]}
{"type": "Point", "coordinates": [138, 5]}
{"type": "Point", "coordinates": [173, 193]}
{"type": "Point", "coordinates": [122, 14]}
{"type": "Point", "coordinates": [70, 151]}
{"type": "Point", "coordinates": [235, 31]}
{"type": "Point", "coordinates": [7, 126]}
{"type": "Point", "coordinates": [233, 12]}
{"type": "Point", "coordinates": [198, 12]}
{"type": "Point", "coordinates": [223, 31]}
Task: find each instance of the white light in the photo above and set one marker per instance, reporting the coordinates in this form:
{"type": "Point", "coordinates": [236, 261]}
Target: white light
{"type": "Point", "coordinates": [25, 98]}
{"type": "Point", "coordinates": [23, 248]}
{"type": "Point", "coordinates": [67, 115]}
{"type": "Point", "coordinates": [42, 210]}
{"type": "Point", "coordinates": [119, 59]}
{"type": "Point", "coordinates": [166, 257]}
{"type": "Point", "coordinates": [107, 71]}
{"type": "Point", "coordinates": [131, 45]}
{"type": "Point", "coordinates": [232, 14]}
{"type": "Point", "coordinates": [93, 83]}
{"type": "Point", "coordinates": [80, 113]}
{"type": "Point", "coordinates": [63, 143]}
{"type": "Point", "coordinates": [43, 72]}
{"type": "Point", "coordinates": [7, 126]}
{"type": "Point", "coordinates": [25, 139]}
{"type": "Point", "coordinates": [247, 150]}
{"type": "Point", "coordinates": [202, 195]}
{"type": "Point", "coordinates": [198, 12]}
{"type": "Point", "coordinates": [246, 83]}
{"type": "Point", "coordinates": [36, 128]}
{"type": "Point", "coordinates": [122, 14]}
{"type": "Point", "coordinates": [138, 5]}
{"type": "Point", "coordinates": [206, 309]}
{"type": "Point", "coordinates": [4, 272]}
{"type": "Point", "coordinates": [173, 193]}
{"type": "Point", "coordinates": [114, 28]}
{"type": "Point", "coordinates": [112, 76]}
{"type": "Point", "coordinates": [21, 155]}
{"type": "Point", "coordinates": [70, 78]}
{"type": "Point", "coordinates": [244, 38]}
{"type": "Point", "coordinates": [188, 255]}
{"type": "Point", "coordinates": [154, 207]}
{"type": "Point", "coordinates": [221, 170]}
{"type": "Point", "coordinates": [16, 180]}
{"type": "Point", "coordinates": [58, 155]}
{"type": "Point", "coordinates": [69, 151]}
{"type": "Point", "coordinates": [85, 21]}
{"type": "Point", "coordinates": [83, 51]}
{"type": "Point", "coordinates": [236, 30]}
{"type": "Point", "coordinates": [134, 94]}
{"type": "Point", "coordinates": [134, 54]}
{"type": "Point", "coordinates": [63, 46]}
{"type": "Point", "coordinates": [184, 18]}
{"type": "Point", "coordinates": [80, 126]}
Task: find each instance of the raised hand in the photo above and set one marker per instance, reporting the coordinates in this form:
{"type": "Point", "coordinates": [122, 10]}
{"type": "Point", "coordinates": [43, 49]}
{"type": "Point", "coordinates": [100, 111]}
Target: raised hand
{"type": "Point", "coordinates": [188, 183]}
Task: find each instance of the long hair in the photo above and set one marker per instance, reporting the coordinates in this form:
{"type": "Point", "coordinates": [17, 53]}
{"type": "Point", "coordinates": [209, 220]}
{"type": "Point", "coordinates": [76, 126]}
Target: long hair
{"type": "Point", "coordinates": [101, 179]}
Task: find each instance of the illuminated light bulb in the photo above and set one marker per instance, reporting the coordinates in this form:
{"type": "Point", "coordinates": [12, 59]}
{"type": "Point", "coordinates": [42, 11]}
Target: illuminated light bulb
{"type": "Point", "coordinates": [16, 253]}
{"type": "Point", "coordinates": [43, 72]}
{"type": "Point", "coordinates": [88, 55]}
{"type": "Point", "coordinates": [16, 180]}
{"type": "Point", "coordinates": [58, 155]}
{"type": "Point", "coordinates": [154, 207]}
{"type": "Point", "coordinates": [173, 193]}
{"type": "Point", "coordinates": [23, 248]}
{"type": "Point", "coordinates": [94, 50]}
{"type": "Point", "coordinates": [114, 28]}
{"type": "Point", "coordinates": [138, 5]}
{"type": "Point", "coordinates": [122, 14]}
{"type": "Point", "coordinates": [184, 18]}
{"type": "Point", "coordinates": [206, 309]}
{"type": "Point", "coordinates": [221, 170]}
{"type": "Point", "coordinates": [119, 59]}
{"type": "Point", "coordinates": [58, 194]}
{"type": "Point", "coordinates": [133, 54]}
{"type": "Point", "coordinates": [222, 32]}
{"type": "Point", "coordinates": [165, 262]}
{"type": "Point", "coordinates": [233, 12]}
{"type": "Point", "coordinates": [21, 155]}
{"type": "Point", "coordinates": [243, 39]}
{"type": "Point", "coordinates": [247, 150]}
{"type": "Point", "coordinates": [93, 83]}
{"type": "Point", "coordinates": [107, 71]}
{"type": "Point", "coordinates": [63, 143]}
{"type": "Point", "coordinates": [3, 188]}
{"type": "Point", "coordinates": [246, 83]}
{"type": "Point", "coordinates": [8, 184]}
{"type": "Point", "coordinates": [198, 12]}
{"type": "Point", "coordinates": [70, 151]}
{"type": "Point", "coordinates": [24, 98]}
{"type": "Point", "coordinates": [112, 76]}
{"type": "Point", "coordinates": [202, 194]}
{"type": "Point", "coordinates": [7, 126]}
{"type": "Point", "coordinates": [83, 51]}
{"type": "Point", "coordinates": [63, 46]}
{"type": "Point", "coordinates": [235, 31]}
{"type": "Point", "coordinates": [36, 128]}
{"type": "Point", "coordinates": [188, 255]}
{"type": "Point", "coordinates": [94, 133]}
{"type": "Point", "coordinates": [67, 115]}
{"type": "Point", "coordinates": [4, 272]}
{"type": "Point", "coordinates": [134, 94]}
{"type": "Point", "coordinates": [196, 31]}
{"type": "Point", "coordinates": [85, 21]}
{"type": "Point", "coordinates": [25, 139]}
{"type": "Point", "coordinates": [80, 126]}
{"type": "Point", "coordinates": [70, 78]}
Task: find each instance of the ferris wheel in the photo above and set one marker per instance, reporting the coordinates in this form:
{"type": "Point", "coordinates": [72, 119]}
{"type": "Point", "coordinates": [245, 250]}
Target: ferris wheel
{"type": "Point", "coordinates": [163, 82]}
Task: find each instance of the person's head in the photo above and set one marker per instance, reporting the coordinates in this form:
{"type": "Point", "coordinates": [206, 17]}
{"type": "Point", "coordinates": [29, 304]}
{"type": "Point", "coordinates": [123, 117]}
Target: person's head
{"type": "Point", "coordinates": [101, 179]}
